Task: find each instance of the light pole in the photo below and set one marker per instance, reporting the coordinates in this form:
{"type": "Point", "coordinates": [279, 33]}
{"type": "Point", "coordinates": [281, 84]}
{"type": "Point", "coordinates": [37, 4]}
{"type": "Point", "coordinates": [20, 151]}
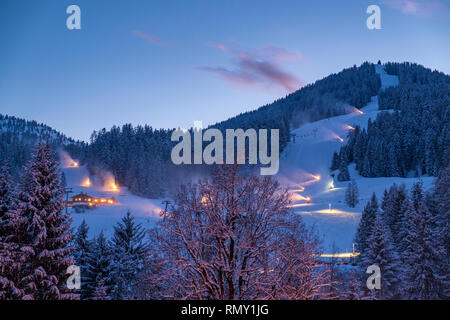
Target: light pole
{"type": "Point", "coordinates": [67, 191]}
{"type": "Point", "coordinates": [166, 202]}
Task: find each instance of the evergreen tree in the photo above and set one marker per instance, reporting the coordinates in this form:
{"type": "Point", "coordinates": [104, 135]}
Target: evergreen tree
{"type": "Point", "coordinates": [6, 200]}
{"type": "Point", "coordinates": [354, 290]}
{"type": "Point", "coordinates": [100, 292]}
{"type": "Point", "coordinates": [335, 162]}
{"type": "Point", "coordinates": [423, 257]}
{"type": "Point", "coordinates": [41, 231]}
{"type": "Point", "coordinates": [98, 266]}
{"type": "Point", "coordinates": [352, 194]}
{"type": "Point", "coordinates": [442, 198]}
{"type": "Point", "coordinates": [365, 224]}
{"type": "Point", "coordinates": [10, 269]}
{"type": "Point", "coordinates": [128, 254]}
{"type": "Point", "coordinates": [343, 174]}
{"type": "Point", "coordinates": [8, 251]}
{"type": "Point", "coordinates": [381, 251]}
{"type": "Point", "coordinates": [81, 254]}
{"type": "Point", "coordinates": [394, 207]}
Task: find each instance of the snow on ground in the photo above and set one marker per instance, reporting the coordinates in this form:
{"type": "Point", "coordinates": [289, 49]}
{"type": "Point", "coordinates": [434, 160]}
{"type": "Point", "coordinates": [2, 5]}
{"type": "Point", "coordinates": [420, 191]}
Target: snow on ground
{"type": "Point", "coordinates": [309, 157]}
{"type": "Point", "coordinates": [386, 79]}
{"type": "Point", "coordinates": [146, 211]}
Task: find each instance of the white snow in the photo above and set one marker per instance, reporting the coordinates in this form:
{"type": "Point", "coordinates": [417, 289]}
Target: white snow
{"type": "Point", "coordinates": [311, 155]}
{"type": "Point", "coordinates": [387, 80]}
{"type": "Point", "coordinates": [146, 211]}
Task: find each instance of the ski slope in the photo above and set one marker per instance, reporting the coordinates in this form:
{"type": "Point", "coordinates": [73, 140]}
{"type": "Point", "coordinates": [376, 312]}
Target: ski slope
{"type": "Point", "coordinates": [304, 169]}
{"type": "Point", "coordinates": [102, 219]}
{"type": "Point", "coordinates": [309, 157]}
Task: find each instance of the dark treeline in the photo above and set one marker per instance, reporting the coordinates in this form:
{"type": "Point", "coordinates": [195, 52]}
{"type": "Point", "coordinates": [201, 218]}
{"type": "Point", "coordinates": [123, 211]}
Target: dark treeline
{"type": "Point", "coordinates": [407, 236]}
{"type": "Point", "coordinates": [334, 95]}
{"type": "Point", "coordinates": [414, 138]}
{"type": "Point", "coordinates": [18, 137]}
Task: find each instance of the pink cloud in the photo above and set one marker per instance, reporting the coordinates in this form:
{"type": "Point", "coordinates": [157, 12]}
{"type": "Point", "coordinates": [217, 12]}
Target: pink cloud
{"type": "Point", "coordinates": [423, 8]}
{"type": "Point", "coordinates": [147, 37]}
{"type": "Point", "coordinates": [260, 67]}
{"type": "Point", "coordinates": [219, 46]}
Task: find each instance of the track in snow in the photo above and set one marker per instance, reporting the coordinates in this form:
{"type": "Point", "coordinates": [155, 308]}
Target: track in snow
{"type": "Point", "coordinates": [310, 156]}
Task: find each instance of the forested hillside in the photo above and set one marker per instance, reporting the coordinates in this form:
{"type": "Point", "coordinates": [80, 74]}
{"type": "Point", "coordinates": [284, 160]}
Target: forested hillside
{"type": "Point", "coordinates": [18, 138]}
{"type": "Point", "coordinates": [139, 156]}
{"type": "Point", "coordinates": [415, 137]}
{"type": "Point", "coordinates": [334, 95]}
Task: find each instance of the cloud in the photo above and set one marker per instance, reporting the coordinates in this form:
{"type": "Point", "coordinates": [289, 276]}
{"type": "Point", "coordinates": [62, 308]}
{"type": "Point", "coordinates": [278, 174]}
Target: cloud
{"type": "Point", "coordinates": [422, 8]}
{"type": "Point", "coordinates": [148, 37]}
{"type": "Point", "coordinates": [260, 67]}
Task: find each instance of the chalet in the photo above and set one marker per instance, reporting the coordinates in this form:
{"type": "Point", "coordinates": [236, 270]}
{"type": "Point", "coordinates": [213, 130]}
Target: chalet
{"type": "Point", "coordinates": [83, 199]}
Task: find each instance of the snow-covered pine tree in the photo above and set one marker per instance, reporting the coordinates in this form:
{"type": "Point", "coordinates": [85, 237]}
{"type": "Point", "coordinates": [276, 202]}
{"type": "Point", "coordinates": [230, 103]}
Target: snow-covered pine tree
{"type": "Point", "coordinates": [381, 251]}
{"type": "Point", "coordinates": [343, 174]}
{"type": "Point", "coordinates": [9, 251]}
{"type": "Point", "coordinates": [424, 256]}
{"type": "Point", "coordinates": [354, 289]}
{"type": "Point", "coordinates": [100, 292]}
{"type": "Point", "coordinates": [366, 223]}
{"type": "Point", "coordinates": [128, 254]}
{"type": "Point", "coordinates": [417, 194]}
{"type": "Point", "coordinates": [6, 199]}
{"type": "Point", "coordinates": [442, 199]}
{"type": "Point", "coordinates": [42, 230]}
{"type": "Point", "coordinates": [81, 253]}
{"type": "Point", "coordinates": [394, 208]}
{"type": "Point", "coordinates": [352, 194]}
{"type": "Point", "coordinates": [98, 266]}
{"type": "Point", "coordinates": [335, 162]}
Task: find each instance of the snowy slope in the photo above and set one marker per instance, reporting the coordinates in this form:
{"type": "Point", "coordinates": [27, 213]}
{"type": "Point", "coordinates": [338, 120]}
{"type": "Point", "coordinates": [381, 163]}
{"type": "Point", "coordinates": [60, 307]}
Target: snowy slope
{"type": "Point", "coordinates": [309, 157]}
{"type": "Point", "coordinates": [103, 219]}
{"type": "Point", "coordinates": [301, 163]}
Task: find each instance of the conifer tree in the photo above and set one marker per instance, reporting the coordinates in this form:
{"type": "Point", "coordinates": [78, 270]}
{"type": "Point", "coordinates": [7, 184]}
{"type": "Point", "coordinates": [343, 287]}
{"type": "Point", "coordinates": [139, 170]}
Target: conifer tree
{"type": "Point", "coordinates": [442, 198]}
{"type": "Point", "coordinates": [98, 266]}
{"type": "Point", "coordinates": [352, 194]}
{"type": "Point", "coordinates": [394, 207]}
{"type": "Point", "coordinates": [9, 276]}
{"type": "Point", "coordinates": [81, 253]}
{"type": "Point", "coordinates": [128, 254]}
{"type": "Point", "coordinates": [41, 231]}
{"type": "Point", "coordinates": [381, 251]}
{"type": "Point", "coordinates": [423, 256]}
{"type": "Point", "coordinates": [100, 292]}
{"type": "Point", "coordinates": [335, 162]}
{"type": "Point", "coordinates": [6, 199]}
{"type": "Point", "coordinates": [365, 224]}
{"type": "Point", "coordinates": [49, 234]}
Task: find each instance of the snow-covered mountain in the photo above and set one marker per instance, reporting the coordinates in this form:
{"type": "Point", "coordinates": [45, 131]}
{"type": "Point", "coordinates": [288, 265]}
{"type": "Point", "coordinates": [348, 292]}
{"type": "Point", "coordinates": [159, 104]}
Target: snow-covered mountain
{"type": "Point", "coordinates": [30, 131]}
{"type": "Point", "coordinates": [18, 138]}
{"type": "Point", "coordinates": [304, 168]}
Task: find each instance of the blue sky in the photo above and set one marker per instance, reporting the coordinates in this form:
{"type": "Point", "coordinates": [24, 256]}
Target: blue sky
{"type": "Point", "coordinates": [169, 63]}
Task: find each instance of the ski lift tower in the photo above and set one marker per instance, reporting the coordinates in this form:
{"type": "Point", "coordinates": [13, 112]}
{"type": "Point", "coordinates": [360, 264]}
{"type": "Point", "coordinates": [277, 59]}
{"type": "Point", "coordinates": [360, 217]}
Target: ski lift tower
{"type": "Point", "coordinates": [67, 191]}
{"type": "Point", "coordinates": [293, 135]}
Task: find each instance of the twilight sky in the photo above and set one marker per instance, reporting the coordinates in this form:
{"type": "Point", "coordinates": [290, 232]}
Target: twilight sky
{"type": "Point", "coordinates": [167, 63]}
